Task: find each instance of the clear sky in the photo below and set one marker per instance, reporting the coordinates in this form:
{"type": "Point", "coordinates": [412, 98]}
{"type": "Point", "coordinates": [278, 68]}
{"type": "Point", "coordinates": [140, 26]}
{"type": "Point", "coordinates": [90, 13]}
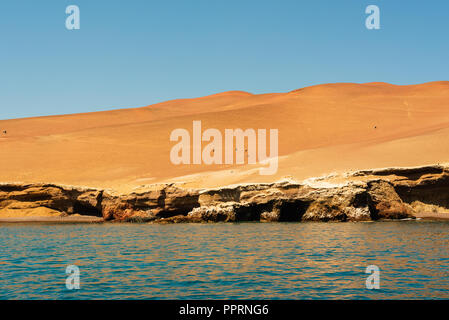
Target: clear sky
{"type": "Point", "coordinates": [139, 52]}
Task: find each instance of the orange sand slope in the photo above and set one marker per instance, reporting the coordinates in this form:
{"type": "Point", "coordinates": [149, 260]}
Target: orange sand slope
{"type": "Point", "coordinates": [322, 129]}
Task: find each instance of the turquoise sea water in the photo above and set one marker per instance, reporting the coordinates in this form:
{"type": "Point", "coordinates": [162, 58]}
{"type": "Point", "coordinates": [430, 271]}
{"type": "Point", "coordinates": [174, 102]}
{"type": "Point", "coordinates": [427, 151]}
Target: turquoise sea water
{"type": "Point", "coordinates": [225, 261]}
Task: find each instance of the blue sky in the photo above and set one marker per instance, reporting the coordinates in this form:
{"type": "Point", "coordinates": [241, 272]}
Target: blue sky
{"type": "Point", "coordinates": [139, 52]}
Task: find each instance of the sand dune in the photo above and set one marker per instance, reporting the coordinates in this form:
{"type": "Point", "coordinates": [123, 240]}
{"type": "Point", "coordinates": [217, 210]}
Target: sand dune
{"type": "Point", "coordinates": [322, 129]}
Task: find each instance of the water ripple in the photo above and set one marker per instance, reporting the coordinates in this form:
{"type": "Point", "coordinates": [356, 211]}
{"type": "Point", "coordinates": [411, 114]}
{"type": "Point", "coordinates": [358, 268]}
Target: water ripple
{"type": "Point", "coordinates": [225, 261]}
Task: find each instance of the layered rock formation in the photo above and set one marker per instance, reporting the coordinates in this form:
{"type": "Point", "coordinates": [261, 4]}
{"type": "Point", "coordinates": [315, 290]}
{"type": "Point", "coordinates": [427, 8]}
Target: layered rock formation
{"type": "Point", "coordinates": [394, 193]}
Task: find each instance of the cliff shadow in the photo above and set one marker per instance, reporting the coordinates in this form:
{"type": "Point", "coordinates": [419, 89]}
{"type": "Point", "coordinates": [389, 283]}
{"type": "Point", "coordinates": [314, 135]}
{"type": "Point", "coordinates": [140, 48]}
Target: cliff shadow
{"type": "Point", "coordinates": [277, 210]}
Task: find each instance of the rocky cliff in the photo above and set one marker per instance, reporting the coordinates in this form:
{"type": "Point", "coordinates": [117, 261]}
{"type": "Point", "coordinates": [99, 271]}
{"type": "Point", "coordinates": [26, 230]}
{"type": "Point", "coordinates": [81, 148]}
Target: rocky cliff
{"type": "Point", "coordinates": [392, 193]}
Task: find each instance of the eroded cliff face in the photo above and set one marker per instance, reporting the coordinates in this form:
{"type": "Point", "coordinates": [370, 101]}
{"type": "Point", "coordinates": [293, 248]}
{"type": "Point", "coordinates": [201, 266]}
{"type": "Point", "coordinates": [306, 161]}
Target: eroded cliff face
{"type": "Point", "coordinates": [395, 193]}
{"type": "Point", "coordinates": [48, 200]}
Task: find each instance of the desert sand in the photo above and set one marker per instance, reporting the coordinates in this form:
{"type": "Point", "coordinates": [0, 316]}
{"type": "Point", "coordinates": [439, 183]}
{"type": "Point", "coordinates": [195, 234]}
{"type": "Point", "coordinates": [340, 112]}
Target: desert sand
{"type": "Point", "coordinates": [323, 129]}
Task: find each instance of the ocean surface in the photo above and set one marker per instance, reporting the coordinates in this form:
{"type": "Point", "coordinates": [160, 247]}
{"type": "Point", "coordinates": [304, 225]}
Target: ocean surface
{"type": "Point", "coordinates": [226, 260]}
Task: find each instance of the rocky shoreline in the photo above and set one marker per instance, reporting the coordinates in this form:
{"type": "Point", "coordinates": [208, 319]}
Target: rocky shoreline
{"type": "Point", "coordinates": [369, 195]}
